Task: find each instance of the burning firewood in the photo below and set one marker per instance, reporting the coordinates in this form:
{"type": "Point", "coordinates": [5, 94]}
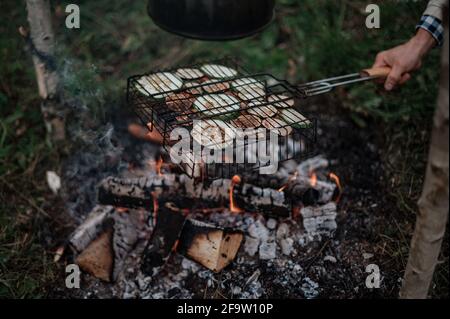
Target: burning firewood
{"type": "Point", "coordinates": [98, 258]}
{"type": "Point", "coordinates": [143, 133]}
{"type": "Point", "coordinates": [167, 231]}
{"type": "Point", "coordinates": [125, 227]}
{"type": "Point", "coordinates": [90, 228]}
{"type": "Point", "coordinates": [215, 248]}
{"type": "Point", "coordinates": [134, 193]}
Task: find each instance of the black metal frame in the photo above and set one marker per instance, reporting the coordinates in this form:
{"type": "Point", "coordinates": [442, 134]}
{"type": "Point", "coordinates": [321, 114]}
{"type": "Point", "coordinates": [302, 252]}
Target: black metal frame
{"type": "Point", "coordinates": [155, 114]}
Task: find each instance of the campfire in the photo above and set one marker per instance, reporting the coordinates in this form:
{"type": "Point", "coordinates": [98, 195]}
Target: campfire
{"type": "Point", "coordinates": [203, 221]}
{"type": "Point", "coordinates": [214, 216]}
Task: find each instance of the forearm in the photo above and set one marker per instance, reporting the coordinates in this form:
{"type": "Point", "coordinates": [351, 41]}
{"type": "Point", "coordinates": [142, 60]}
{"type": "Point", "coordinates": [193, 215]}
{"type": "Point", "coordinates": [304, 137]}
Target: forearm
{"type": "Point", "coordinates": [423, 42]}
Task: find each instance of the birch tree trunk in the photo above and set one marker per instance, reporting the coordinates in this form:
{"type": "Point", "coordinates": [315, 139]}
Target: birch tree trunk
{"type": "Point", "coordinates": [41, 44]}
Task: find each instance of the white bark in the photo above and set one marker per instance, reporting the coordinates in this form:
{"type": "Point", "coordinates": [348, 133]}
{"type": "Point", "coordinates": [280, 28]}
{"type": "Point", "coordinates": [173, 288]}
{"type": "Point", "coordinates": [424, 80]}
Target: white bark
{"type": "Point", "coordinates": [41, 44]}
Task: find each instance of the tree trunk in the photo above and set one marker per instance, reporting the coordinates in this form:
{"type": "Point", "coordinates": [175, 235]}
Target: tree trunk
{"type": "Point", "coordinates": [41, 44]}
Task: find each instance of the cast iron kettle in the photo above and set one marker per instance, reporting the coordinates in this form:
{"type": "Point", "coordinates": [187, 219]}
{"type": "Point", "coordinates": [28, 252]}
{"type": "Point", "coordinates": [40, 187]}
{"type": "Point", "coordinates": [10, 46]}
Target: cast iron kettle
{"type": "Point", "coordinates": [212, 19]}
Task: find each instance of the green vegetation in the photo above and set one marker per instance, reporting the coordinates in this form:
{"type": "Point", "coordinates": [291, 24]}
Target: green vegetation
{"type": "Point", "coordinates": [308, 40]}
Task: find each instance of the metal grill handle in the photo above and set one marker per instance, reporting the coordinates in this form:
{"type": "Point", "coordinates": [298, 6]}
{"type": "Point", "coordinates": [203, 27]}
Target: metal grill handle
{"type": "Point", "coordinates": [327, 85]}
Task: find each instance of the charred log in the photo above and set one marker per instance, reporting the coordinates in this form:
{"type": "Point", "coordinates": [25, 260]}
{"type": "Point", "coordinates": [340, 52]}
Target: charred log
{"type": "Point", "coordinates": [215, 248]}
{"type": "Point", "coordinates": [95, 223]}
{"type": "Point", "coordinates": [134, 193]}
{"type": "Point", "coordinates": [169, 224]}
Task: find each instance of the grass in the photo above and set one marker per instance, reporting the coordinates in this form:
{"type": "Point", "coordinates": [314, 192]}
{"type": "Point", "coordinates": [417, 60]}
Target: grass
{"type": "Point", "coordinates": [308, 40]}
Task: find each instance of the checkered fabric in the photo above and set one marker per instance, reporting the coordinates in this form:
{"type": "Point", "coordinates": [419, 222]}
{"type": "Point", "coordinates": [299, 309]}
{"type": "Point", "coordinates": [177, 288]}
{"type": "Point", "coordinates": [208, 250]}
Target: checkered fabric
{"type": "Point", "coordinates": [434, 26]}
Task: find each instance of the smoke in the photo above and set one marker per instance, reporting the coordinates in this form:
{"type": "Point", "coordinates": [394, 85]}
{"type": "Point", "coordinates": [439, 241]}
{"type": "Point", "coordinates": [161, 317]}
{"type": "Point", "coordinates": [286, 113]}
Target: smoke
{"type": "Point", "coordinates": [93, 150]}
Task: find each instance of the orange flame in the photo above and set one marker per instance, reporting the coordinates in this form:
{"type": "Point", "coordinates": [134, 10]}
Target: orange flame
{"type": "Point", "coordinates": [156, 165]}
{"type": "Point", "coordinates": [175, 246]}
{"type": "Point", "coordinates": [233, 207]}
{"type": "Point", "coordinates": [313, 179]}
{"type": "Point", "coordinates": [291, 179]}
{"type": "Point", "coordinates": [337, 181]}
{"type": "Point", "coordinates": [159, 164]}
{"type": "Point", "coordinates": [155, 206]}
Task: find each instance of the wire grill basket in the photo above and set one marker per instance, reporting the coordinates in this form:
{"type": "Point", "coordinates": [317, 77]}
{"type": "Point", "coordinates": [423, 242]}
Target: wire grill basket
{"type": "Point", "coordinates": [255, 110]}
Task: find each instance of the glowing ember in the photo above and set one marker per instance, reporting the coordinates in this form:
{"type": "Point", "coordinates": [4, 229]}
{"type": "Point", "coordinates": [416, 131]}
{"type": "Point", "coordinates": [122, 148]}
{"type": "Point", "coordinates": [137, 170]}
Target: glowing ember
{"type": "Point", "coordinates": [291, 179]}
{"type": "Point", "coordinates": [122, 209]}
{"type": "Point", "coordinates": [233, 207]}
{"type": "Point", "coordinates": [296, 212]}
{"type": "Point", "coordinates": [312, 179]}
{"type": "Point", "coordinates": [336, 179]}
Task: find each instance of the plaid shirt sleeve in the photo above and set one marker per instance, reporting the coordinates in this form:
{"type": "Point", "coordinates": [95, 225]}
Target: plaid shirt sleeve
{"type": "Point", "coordinates": [434, 26]}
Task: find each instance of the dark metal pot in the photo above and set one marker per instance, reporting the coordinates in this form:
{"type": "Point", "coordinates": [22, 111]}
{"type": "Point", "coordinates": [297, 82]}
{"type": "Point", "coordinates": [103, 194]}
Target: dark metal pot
{"type": "Point", "coordinates": [212, 19]}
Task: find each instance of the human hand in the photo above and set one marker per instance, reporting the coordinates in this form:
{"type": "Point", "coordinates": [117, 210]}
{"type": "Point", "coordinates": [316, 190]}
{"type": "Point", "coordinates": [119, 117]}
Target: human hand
{"type": "Point", "coordinates": [405, 58]}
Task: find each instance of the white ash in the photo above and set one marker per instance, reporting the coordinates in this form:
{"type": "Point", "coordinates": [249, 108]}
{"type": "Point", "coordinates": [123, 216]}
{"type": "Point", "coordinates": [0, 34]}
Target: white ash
{"type": "Point", "coordinates": [271, 224]}
{"type": "Point", "coordinates": [282, 231]}
{"type": "Point", "coordinates": [189, 265]}
{"type": "Point", "coordinates": [320, 219]}
{"type": "Point", "coordinates": [251, 245]}
{"type": "Point", "coordinates": [268, 250]}
{"type": "Point", "coordinates": [258, 230]}
{"type": "Point", "coordinates": [236, 290]}
{"type": "Point", "coordinates": [252, 288]}
{"type": "Point", "coordinates": [127, 229]}
{"type": "Point", "coordinates": [253, 291]}
{"type": "Point", "coordinates": [287, 246]}
{"type": "Point", "coordinates": [329, 258]}
{"type": "Point", "coordinates": [131, 291]}
{"type": "Point", "coordinates": [291, 277]}
{"type": "Point", "coordinates": [304, 239]}
{"type": "Point", "coordinates": [310, 288]}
